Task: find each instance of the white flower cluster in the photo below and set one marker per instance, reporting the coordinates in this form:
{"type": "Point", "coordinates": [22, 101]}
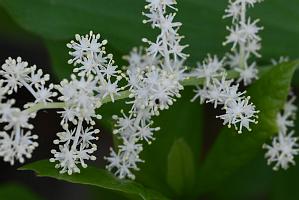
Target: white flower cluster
{"type": "Point", "coordinates": [244, 39]}
{"type": "Point", "coordinates": [17, 142]}
{"type": "Point", "coordinates": [97, 78]}
{"type": "Point", "coordinates": [154, 82]}
{"type": "Point", "coordinates": [284, 146]}
{"type": "Point", "coordinates": [238, 111]}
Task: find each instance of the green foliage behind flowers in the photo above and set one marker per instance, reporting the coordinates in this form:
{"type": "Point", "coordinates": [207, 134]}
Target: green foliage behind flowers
{"type": "Point", "coordinates": [173, 167]}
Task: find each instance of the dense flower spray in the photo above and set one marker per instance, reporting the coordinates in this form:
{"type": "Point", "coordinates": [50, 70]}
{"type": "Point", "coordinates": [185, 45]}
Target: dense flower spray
{"type": "Point", "coordinates": [244, 39]}
{"type": "Point", "coordinates": [239, 112]}
{"type": "Point", "coordinates": [96, 78]}
{"type": "Point", "coordinates": [284, 146]}
{"type": "Point", "coordinates": [154, 76]}
{"type": "Point", "coordinates": [153, 81]}
{"type": "Point", "coordinates": [17, 142]}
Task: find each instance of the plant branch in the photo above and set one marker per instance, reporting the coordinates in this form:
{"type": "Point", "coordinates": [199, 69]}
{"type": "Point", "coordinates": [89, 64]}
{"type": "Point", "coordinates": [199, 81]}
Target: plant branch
{"type": "Point", "coordinates": [125, 94]}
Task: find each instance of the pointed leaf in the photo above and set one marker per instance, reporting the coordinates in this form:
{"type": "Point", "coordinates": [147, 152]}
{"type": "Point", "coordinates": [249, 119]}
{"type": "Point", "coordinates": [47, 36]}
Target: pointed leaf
{"type": "Point", "coordinates": [231, 150]}
{"type": "Point", "coordinates": [96, 177]}
{"type": "Point", "coordinates": [180, 167]}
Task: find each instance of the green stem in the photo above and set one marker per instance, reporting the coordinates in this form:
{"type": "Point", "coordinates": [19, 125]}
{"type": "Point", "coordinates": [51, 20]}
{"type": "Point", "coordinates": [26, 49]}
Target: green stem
{"type": "Point", "coordinates": [125, 94]}
{"type": "Point", "coordinates": [42, 106]}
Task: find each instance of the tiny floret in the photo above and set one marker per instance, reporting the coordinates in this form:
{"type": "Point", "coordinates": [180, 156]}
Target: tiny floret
{"type": "Point", "coordinates": [285, 146]}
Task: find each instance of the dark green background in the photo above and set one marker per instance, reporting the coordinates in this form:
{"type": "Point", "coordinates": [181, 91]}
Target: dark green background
{"type": "Point", "coordinates": [39, 29]}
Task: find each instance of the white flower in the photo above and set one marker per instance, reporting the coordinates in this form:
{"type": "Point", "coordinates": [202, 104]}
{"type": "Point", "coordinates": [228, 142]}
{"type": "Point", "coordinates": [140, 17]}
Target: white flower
{"type": "Point", "coordinates": [285, 119]}
{"type": "Point", "coordinates": [14, 73]}
{"type": "Point", "coordinates": [290, 108]}
{"type": "Point", "coordinates": [160, 4]}
{"type": "Point", "coordinates": [234, 10]}
{"type": "Point", "coordinates": [202, 93]}
{"type": "Point", "coordinates": [18, 118]}
{"type": "Point", "coordinates": [66, 158]}
{"type": "Point", "coordinates": [248, 74]}
{"type": "Point", "coordinates": [222, 92]}
{"type": "Point", "coordinates": [96, 77]}
{"type": "Point", "coordinates": [125, 125]}
{"type": "Point", "coordinates": [284, 146]}
{"type": "Point", "coordinates": [282, 151]}
{"type": "Point", "coordinates": [80, 98]}
{"type": "Point", "coordinates": [252, 48]}
{"type": "Point", "coordinates": [109, 89]}
{"type": "Point", "coordinates": [17, 145]}
{"type": "Point", "coordinates": [121, 166]}
{"type": "Point", "coordinates": [36, 77]}
{"type": "Point", "coordinates": [236, 36]}
{"type": "Point", "coordinates": [44, 94]}
{"type": "Point", "coordinates": [138, 60]}
{"type": "Point", "coordinates": [239, 113]}
{"type": "Point", "coordinates": [167, 43]}
{"type": "Point", "coordinates": [251, 30]}
{"type": "Point", "coordinates": [211, 67]}
{"type": "Point", "coordinates": [244, 38]}
{"type": "Point", "coordinates": [284, 122]}
{"type": "Point", "coordinates": [154, 82]}
{"type": "Point", "coordinates": [85, 46]}
{"type": "Point", "coordinates": [146, 133]}
{"type": "Point", "coordinates": [130, 147]}
{"type": "Point", "coordinates": [75, 147]}
{"type": "Point", "coordinates": [17, 74]}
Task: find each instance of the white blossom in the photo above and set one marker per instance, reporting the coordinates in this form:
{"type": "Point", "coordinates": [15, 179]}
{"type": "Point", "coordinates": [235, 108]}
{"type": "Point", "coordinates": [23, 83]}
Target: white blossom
{"type": "Point", "coordinates": [244, 39]}
{"type": "Point", "coordinates": [211, 68]}
{"type": "Point", "coordinates": [96, 78]}
{"type": "Point", "coordinates": [248, 74]}
{"type": "Point", "coordinates": [17, 143]}
{"type": "Point", "coordinates": [75, 147]}
{"type": "Point", "coordinates": [14, 72]}
{"type": "Point", "coordinates": [122, 165]}
{"type": "Point", "coordinates": [239, 113]}
{"type": "Point", "coordinates": [284, 147]}
{"type": "Point", "coordinates": [220, 91]}
{"type": "Point", "coordinates": [282, 151]}
{"type": "Point", "coordinates": [84, 46]}
{"type": "Point", "coordinates": [154, 83]}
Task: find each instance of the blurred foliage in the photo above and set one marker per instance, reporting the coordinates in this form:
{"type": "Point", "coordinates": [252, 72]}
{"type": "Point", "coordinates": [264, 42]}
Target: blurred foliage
{"type": "Point", "coordinates": [231, 151]}
{"type": "Point", "coordinates": [120, 21]}
{"type": "Point", "coordinates": [14, 191]}
{"type": "Point", "coordinates": [95, 177]}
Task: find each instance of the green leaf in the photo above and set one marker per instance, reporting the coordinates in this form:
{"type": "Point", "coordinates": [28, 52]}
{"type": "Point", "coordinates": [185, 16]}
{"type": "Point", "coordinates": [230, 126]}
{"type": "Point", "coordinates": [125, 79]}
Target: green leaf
{"type": "Point", "coordinates": [183, 120]}
{"type": "Point", "coordinates": [249, 182]}
{"type": "Point", "coordinates": [231, 150]}
{"type": "Point", "coordinates": [120, 21]}
{"type": "Point", "coordinates": [96, 177]}
{"type": "Point", "coordinates": [12, 191]}
{"type": "Point", "coordinates": [285, 184]}
{"type": "Point", "coordinates": [180, 167]}
{"type": "Point", "coordinates": [59, 56]}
